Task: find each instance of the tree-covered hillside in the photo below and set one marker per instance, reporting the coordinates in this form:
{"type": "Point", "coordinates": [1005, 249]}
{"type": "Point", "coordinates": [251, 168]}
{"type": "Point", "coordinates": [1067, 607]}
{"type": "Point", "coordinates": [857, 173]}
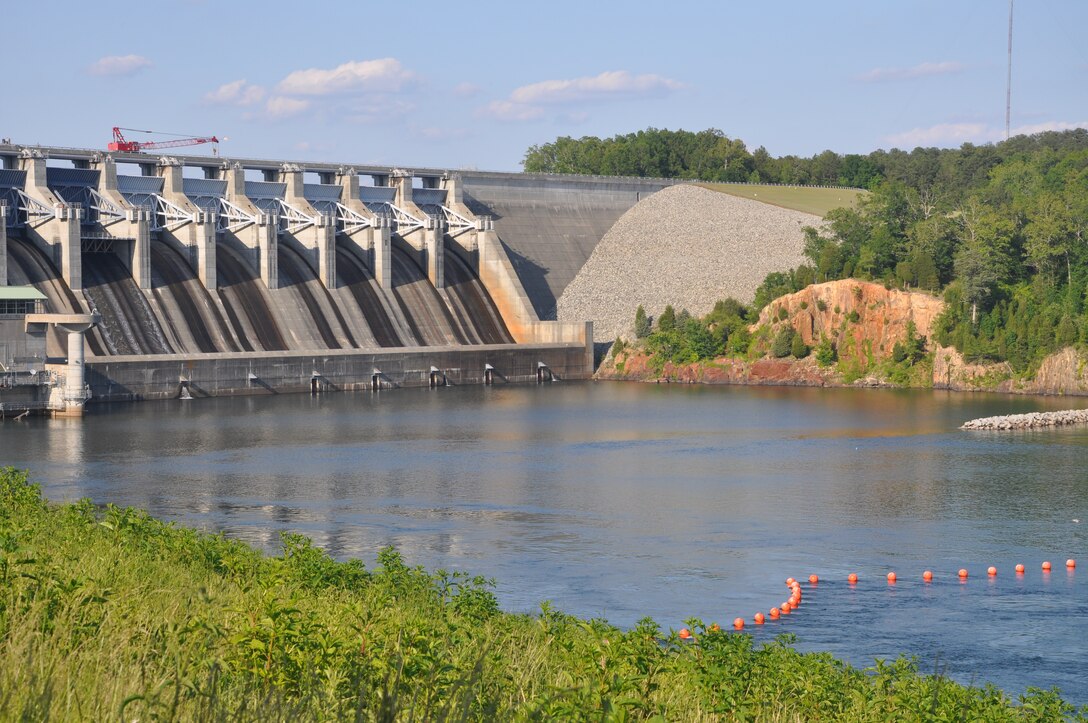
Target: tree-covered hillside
{"type": "Point", "coordinates": [1001, 230]}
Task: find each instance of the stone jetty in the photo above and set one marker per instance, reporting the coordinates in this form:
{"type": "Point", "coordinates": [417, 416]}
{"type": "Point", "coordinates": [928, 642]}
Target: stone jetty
{"type": "Point", "coordinates": [1030, 421]}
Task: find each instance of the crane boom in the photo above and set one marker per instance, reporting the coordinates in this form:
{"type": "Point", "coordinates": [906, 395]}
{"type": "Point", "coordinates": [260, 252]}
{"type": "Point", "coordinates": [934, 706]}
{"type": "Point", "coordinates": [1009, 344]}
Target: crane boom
{"type": "Point", "coordinates": [120, 143]}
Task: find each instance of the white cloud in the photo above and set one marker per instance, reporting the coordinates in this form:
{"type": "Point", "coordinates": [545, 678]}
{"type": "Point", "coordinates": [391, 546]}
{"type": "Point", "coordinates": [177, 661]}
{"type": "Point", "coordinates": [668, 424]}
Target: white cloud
{"type": "Point", "coordinates": [237, 92]}
{"type": "Point", "coordinates": [506, 110]}
{"type": "Point", "coordinates": [119, 65]}
{"type": "Point", "coordinates": [529, 101]}
{"type": "Point", "coordinates": [383, 75]}
{"type": "Point", "coordinates": [441, 133]}
{"type": "Point", "coordinates": [466, 90]}
{"type": "Point", "coordinates": [922, 70]}
{"type": "Point", "coordinates": [941, 134]}
{"type": "Point", "coordinates": [279, 106]}
{"type": "Point", "coordinates": [1027, 130]}
{"type": "Point", "coordinates": [610, 84]}
{"type": "Point", "coordinates": [954, 134]}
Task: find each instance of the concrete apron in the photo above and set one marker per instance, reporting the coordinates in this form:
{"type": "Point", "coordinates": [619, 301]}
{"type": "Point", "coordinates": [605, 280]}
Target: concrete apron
{"type": "Point", "coordinates": [133, 378]}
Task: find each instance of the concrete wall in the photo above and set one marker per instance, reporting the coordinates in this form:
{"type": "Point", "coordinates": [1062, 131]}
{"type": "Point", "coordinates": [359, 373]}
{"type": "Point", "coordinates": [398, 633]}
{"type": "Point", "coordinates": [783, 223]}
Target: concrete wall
{"type": "Point", "coordinates": [162, 376]}
{"type": "Point", "coordinates": [551, 224]}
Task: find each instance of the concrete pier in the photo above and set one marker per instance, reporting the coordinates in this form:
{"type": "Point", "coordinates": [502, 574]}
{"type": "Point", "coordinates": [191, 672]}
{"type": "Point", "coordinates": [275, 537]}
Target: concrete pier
{"type": "Point", "coordinates": [71, 396]}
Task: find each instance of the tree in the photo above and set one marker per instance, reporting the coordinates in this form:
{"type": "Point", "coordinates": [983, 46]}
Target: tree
{"type": "Point", "coordinates": [642, 323]}
{"type": "Point", "coordinates": [983, 261]}
{"type": "Point", "coordinates": [667, 320]}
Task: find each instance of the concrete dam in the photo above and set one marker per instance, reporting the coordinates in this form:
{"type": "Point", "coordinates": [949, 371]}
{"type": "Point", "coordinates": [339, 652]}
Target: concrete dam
{"type": "Point", "coordinates": [204, 276]}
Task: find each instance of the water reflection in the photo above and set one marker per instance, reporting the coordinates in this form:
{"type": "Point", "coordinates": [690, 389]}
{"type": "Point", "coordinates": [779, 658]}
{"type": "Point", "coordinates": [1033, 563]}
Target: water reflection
{"type": "Point", "coordinates": [632, 500]}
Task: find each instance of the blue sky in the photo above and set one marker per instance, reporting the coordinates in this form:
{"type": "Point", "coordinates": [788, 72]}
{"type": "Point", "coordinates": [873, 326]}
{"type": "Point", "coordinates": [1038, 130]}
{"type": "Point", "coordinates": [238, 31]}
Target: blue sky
{"type": "Point", "coordinates": [473, 85]}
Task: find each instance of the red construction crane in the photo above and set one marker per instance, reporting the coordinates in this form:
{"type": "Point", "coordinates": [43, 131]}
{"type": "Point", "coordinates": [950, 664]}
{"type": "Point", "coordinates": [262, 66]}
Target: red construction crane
{"type": "Point", "coordinates": [121, 144]}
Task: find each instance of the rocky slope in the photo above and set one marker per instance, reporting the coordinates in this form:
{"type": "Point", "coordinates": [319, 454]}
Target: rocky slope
{"type": "Point", "coordinates": [686, 246]}
{"type": "Point", "coordinates": [865, 320]}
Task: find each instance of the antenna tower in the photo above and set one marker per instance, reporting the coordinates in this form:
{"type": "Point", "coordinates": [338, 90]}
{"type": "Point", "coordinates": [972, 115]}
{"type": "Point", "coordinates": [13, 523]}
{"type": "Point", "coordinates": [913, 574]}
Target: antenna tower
{"type": "Point", "coordinates": [1008, 80]}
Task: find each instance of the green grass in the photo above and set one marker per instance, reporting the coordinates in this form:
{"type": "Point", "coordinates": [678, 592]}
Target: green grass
{"type": "Point", "coordinates": [109, 614]}
{"type": "Point", "coordinates": [810, 200]}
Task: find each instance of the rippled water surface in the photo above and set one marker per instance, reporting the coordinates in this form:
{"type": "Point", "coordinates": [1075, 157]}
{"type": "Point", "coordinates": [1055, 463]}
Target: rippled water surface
{"type": "Point", "coordinates": [626, 500]}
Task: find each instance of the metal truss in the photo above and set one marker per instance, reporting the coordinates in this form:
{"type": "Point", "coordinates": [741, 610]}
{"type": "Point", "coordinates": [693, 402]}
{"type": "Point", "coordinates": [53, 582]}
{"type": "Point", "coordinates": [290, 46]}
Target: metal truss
{"type": "Point", "coordinates": [37, 212]}
{"type": "Point", "coordinates": [173, 216]}
{"type": "Point", "coordinates": [352, 221]}
{"type": "Point", "coordinates": [109, 213]}
{"type": "Point", "coordinates": [404, 221]}
{"type": "Point", "coordinates": [457, 224]}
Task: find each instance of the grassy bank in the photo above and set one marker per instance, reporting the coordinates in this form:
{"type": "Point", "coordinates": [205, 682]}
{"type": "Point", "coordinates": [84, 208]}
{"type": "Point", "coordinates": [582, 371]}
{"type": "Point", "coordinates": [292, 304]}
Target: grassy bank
{"type": "Point", "coordinates": [817, 201]}
{"type": "Point", "coordinates": [109, 614]}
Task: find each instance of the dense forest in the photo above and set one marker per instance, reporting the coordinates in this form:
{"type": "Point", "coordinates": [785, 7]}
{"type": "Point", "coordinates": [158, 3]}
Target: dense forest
{"type": "Point", "coordinates": [1000, 230]}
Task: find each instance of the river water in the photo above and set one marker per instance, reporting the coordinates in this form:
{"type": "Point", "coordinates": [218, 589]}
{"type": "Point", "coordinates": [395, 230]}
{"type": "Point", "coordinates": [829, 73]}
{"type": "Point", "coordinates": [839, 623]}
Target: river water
{"type": "Point", "coordinates": [624, 500]}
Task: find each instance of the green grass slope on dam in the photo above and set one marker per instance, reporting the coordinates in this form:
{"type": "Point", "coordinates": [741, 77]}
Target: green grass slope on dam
{"type": "Point", "coordinates": [108, 614]}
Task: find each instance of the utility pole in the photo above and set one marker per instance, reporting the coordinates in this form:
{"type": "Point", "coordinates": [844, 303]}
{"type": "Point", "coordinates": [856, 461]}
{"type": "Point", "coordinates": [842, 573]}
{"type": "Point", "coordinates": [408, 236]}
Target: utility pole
{"type": "Point", "coordinates": [1008, 80]}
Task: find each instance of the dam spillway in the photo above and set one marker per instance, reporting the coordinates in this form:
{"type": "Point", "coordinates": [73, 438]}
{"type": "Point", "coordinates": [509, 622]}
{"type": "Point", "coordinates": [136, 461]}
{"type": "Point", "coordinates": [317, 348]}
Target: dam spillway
{"type": "Point", "coordinates": [192, 264]}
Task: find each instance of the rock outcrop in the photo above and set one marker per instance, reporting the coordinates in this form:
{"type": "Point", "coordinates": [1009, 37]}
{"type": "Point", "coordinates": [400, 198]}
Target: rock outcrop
{"type": "Point", "coordinates": [862, 318]}
{"type": "Point", "coordinates": [865, 320]}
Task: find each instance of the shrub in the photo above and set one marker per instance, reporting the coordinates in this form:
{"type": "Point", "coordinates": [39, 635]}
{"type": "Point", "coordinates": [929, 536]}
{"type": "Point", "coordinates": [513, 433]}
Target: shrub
{"type": "Point", "coordinates": [783, 343]}
{"type": "Point", "coordinates": [804, 304]}
{"type": "Point", "coordinates": [798, 347]}
{"type": "Point", "coordinates": [853, 317]}
{"type": "Point", "coordinates": [821, 304]}
{"type": "Point", "coordinates": [782, 313]}
{"type": "Point", "coordinates": [826, 354]}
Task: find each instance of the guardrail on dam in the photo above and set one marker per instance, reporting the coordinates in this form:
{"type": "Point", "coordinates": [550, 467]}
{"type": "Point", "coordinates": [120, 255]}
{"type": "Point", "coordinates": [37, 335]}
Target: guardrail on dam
{"type": "Point", "coordinates": [198, 268]}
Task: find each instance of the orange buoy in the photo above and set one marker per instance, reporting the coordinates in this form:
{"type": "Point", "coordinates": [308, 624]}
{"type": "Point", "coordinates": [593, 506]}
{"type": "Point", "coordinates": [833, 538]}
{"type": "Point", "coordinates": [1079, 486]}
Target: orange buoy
{"type": "Point", "coordinates": [714, 627]}
{"type": "Point", "coordinates": [991, 571]}
{"type": "Point", "coordinates": [852, 578]}
{"type": "Point", "coordinates": [1019, 568]}
{"type": "Point", "coordinates": [795, 602]}
{"type": "Point", "coordinates": [774, 613]}
{"type": "Point", "coordinates": [758, 617]}
{"type": "Point", "coordinates": [891, 578]}
{"type": "Point", "coordinates": [927, 576]}
{"type": "Point", "coordinates": [738, 623]}
{"type": "Point", "coordinates": [790, 581]}
{"type": "Point", "coordinates": [1070, 563]}
{"type": "Point", "coordinates": [963, 573]}
{"type": "Point", "coordinates": [785, 608]}
{"type": "Point", "coordinates": [1046, 567]}
{"type": "Point", "coordinates": [813, 579]}
{"type": "Point", "coordinates": [685, 634]}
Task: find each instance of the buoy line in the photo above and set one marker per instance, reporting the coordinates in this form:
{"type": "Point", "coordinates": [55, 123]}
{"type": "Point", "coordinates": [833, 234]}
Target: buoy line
{"type": "Point", "coordinates": [852, 579]}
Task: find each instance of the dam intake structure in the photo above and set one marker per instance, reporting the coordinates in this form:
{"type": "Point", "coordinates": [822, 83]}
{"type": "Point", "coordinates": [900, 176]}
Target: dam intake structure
{"type": "Point", "coordinates": [268, 276]}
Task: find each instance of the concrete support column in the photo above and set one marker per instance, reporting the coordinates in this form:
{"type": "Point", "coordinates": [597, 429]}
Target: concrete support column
{"type": "Point", "coordinates": [141, 251]}
{"type": "Point", "coordinates": [268, 246]}
{"type": "Point", "coordinates": [73, 387]}
{"type": "Point", "coordinates": [403, 184]}
{"type": "Point", "coordinates": [75, 395]}
{"type": "Point", "coordinates": [70, 245]}
{"type": "Point", "coordinates": [326, 251]}
{"type": "Point", "coordinates": [381, 255]}
{"type": "Point", "coordinates": [434, 248]}
{"type": "Point", "coordinates": [3, 245]}
{"type": "Point", "coordinates": [205, 250]}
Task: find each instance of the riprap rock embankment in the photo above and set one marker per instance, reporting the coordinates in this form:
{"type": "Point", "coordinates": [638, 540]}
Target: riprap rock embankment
{"type": "Point", "coordinates": [1030, 421]}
